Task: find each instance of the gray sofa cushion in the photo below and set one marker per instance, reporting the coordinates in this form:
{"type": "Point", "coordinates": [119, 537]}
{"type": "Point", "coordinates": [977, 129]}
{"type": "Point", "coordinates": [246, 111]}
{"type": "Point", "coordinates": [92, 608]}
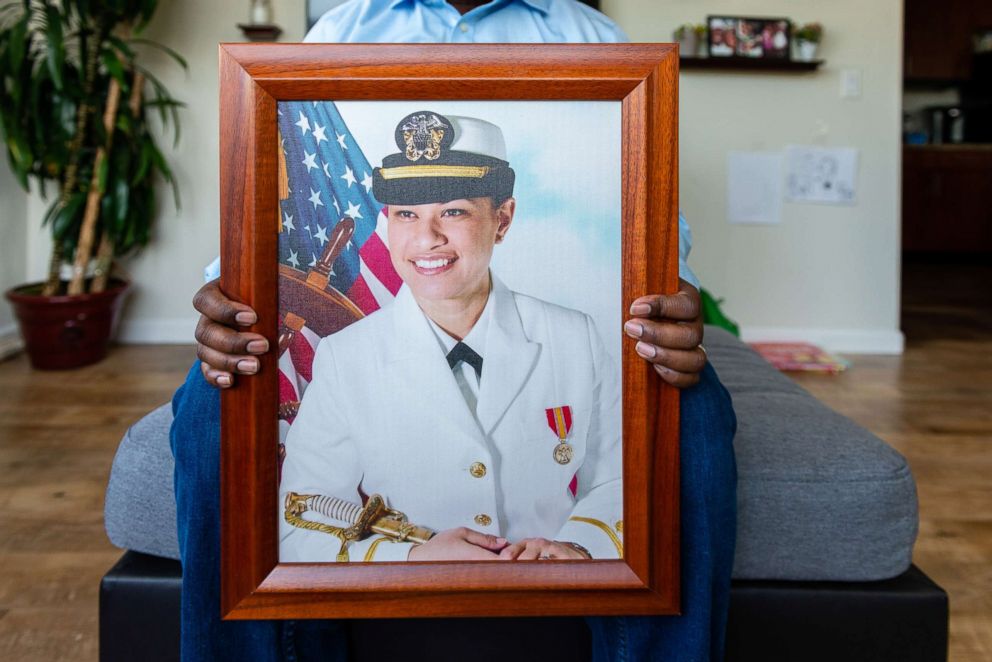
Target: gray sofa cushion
{"type": "Point", "coordinates": [140, 508]}
{"type": "Point", "coordinates": [819, 497]}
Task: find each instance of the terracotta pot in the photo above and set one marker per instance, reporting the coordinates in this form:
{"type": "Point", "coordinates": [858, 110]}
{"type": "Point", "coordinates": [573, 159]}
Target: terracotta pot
{"type": "Point", "coordinates": [62, 332]}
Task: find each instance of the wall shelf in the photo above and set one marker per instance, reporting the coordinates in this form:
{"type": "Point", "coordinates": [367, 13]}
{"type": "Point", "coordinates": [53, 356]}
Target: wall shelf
{"type": "Point", "coordinates": [746, 64]}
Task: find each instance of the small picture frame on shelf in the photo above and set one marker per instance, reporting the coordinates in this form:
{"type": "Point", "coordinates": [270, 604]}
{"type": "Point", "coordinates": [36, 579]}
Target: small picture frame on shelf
{"type": "Point", "coordinates": [722, 31]}
{"type": "Point", "coordinates": [749, 38]}
{"type": "Point", "coordinates": [776, 37]}
{"type": "Point", "coordinates": [749, 42]}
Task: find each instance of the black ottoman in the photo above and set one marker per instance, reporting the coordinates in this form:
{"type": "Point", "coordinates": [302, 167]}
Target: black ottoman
{"type": "Point", "coordinates": [902, 619]}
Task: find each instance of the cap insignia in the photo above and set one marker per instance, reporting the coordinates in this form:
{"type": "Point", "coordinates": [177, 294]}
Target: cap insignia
{"type": "Point", "coordinates": [423, 135]}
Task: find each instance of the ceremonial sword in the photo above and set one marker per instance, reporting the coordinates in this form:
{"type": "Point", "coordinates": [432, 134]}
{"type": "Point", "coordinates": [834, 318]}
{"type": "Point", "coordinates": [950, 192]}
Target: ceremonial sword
{"type": "Point", "coordinates": [362, 521]}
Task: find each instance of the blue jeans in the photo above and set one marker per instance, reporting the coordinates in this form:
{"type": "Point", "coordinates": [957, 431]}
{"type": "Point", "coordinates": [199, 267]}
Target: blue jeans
{"type": "Point", "coordinates": [709, 515]}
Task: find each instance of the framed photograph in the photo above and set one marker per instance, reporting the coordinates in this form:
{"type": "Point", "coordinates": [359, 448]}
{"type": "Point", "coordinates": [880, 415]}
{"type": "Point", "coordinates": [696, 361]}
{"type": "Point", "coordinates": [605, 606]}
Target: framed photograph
{"type": "Point", "coordinates": [776, 38]}
{"type": "Point", "coordinates": [443, 255]}
{"type": "Point", "coordinates": [722, 31]}
{"type": "Point", "coordinates": [751, 38]}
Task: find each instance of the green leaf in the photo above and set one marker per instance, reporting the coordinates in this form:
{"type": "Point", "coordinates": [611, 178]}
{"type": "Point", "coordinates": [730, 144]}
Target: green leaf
{"type": "Point", "coordinates": [122, 46]}
{"type": "Point", "coordinates": [18, 37]}
{"type": "Point", "coordinates": [67, 216]}
{"type": "Point", "coordinates": [144, 162]}
{"type": "Point", "coordinates": [115, 67]}
{"type": "Point", "coordinates": [122, 192]}
{"type": "Point", "coordinates": [23, 158]}
{"type": "Point", "coordinates": [162, 47]}
{"type": "Point", "coordinates": [56, 46]}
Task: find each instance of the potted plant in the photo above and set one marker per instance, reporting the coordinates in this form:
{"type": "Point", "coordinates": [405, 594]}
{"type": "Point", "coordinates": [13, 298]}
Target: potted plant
{"type": "Point", "coordinates": [690, 37]}
{"type": "Point", "coordinates": [75, 119]}
{"type": "Point", "coordinates": [807, 38]}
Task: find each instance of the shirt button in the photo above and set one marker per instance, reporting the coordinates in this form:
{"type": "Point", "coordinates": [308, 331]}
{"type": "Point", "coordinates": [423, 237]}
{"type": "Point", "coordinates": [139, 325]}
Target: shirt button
{"type": "Point", "coordinates": [483, 520]}
{"type": "Point", "coordinates": [463, 27]}
{"type": "Point", "coordinates": [478, 469]}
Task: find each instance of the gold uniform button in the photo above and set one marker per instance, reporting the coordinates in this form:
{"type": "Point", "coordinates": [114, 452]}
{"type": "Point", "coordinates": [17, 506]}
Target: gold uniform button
{"type": "Point", "coordinates": [483, 520]}
{"type": "Point", "coordinates": [478, 469]}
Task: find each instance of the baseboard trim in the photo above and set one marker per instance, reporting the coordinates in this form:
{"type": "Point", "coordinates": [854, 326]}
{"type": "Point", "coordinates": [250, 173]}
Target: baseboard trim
{"type": "Point", "coordinates": [846, 341]}
{"type": "Point", "coordinates": [10, 341]}
{"type": "Point", "coordinates": [164, 331]}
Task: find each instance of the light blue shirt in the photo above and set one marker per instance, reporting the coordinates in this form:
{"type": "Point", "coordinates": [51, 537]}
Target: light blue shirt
{"type": "Point", "coordinates": [500, 21]}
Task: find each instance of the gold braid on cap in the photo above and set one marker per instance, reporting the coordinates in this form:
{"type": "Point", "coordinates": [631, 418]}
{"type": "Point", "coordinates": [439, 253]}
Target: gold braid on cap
{"type": "Point", "coordinates": [409, 172]}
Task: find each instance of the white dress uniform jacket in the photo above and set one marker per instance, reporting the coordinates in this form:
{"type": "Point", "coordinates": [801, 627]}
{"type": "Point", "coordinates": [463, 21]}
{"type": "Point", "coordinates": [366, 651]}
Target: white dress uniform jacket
{"type": "Point", "coordinates": [384, 414]}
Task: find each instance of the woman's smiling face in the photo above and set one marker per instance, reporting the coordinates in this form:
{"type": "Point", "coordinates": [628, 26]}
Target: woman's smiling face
{"type": "Point", "coordinates": [442, 250]}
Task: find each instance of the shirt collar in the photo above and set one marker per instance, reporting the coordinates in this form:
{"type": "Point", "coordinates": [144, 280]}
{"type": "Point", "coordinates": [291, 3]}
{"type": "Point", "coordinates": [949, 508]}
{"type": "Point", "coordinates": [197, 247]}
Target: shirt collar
{"type": "Point", "coordinates": [476, 338]}
{"type": "Point", "coordinates": [543, 6]}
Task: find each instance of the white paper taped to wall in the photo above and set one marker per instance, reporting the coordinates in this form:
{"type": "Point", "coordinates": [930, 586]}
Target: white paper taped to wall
{"type": "Point", "coordinates": [754, 187]}
{"type": "Point", "coordinates": [825, 175]}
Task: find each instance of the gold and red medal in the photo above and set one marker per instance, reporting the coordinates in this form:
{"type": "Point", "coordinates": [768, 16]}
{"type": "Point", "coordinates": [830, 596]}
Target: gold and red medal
{"type": "Point", "coordinates": [560, 422]}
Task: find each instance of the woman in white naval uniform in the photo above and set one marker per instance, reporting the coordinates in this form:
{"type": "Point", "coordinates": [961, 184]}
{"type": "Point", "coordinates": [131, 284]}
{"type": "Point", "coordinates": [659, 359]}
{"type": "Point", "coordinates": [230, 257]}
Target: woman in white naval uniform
{"type": "Point", "coordinates": [460, 449]}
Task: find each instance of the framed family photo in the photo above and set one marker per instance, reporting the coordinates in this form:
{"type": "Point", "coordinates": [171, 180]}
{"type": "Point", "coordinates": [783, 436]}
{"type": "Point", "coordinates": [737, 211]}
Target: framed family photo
{"type": "Point", "coordinates": [442, 243]}
{"type": "Point", "coordinates": [749, 38]}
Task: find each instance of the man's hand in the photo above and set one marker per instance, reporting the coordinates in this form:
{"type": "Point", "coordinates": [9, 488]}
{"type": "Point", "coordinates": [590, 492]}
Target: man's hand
{"type": "Point", "coordinates": [223, 350]}
{"type": "Point", "coordinates": [461, 544]}
{"type": "Point", "coordinates": [531, 549]}
{"type": "Point", "coordinates": [669, 331]}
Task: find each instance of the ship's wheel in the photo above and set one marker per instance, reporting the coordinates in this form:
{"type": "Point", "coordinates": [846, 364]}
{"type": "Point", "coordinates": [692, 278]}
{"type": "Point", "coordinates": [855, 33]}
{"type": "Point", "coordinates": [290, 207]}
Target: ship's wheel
{"type": "Point", "coordinates": [308, 299]}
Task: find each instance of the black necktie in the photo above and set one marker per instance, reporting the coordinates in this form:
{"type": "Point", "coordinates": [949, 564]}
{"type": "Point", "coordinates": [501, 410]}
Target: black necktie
{"type": "Point", "coordinates": [462, 352]}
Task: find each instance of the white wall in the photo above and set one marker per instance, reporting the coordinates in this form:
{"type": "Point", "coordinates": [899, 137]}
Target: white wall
{"type": "Point", "coordinates": [13, 261]}
{"type": "Point", "coordinates": [827, 274]}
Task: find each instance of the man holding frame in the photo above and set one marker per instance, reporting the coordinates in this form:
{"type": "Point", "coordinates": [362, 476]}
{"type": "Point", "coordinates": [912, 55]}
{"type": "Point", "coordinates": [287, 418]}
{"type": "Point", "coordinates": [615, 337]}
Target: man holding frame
{"type": "Point", "coordinates": [668, 330]}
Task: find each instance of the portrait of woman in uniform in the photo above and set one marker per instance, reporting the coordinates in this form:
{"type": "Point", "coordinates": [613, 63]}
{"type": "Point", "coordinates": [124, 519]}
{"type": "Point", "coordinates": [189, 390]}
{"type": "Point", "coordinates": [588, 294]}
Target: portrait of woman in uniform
{"type": "Point", "coordinates": [449, 302]}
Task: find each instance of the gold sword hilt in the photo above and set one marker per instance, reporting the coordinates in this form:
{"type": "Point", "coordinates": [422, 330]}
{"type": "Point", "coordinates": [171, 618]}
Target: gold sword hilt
{"type": "Point", "coordinates": [374, 517]}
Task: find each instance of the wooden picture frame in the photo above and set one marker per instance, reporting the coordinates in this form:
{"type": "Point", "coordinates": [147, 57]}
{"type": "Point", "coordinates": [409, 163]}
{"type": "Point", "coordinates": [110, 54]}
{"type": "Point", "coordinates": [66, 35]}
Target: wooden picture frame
{"type": "Point", "coordinates": [254, 78]}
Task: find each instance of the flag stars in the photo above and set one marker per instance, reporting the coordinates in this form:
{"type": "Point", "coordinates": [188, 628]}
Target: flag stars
{"type": "Point", "coordinates": [313, 262]}
{"type": "Point", "coordinates": [340, 139]}
{"type": "Point", "coordinates": [337, 207]}
{"type": "Point", "coordinates": [287, 224]}
{"type": "Point", "coordinates": [315, 199]}
{"type": "Point", "coordinates": [353, 211]}
{"type": "Point", "coordinates": [321, 234]}
{"type": "Point", "coordinates": [348, 176]}
{"type": "Point", "coordinates": [310, 161]}
{"type": "Point", "coordinates": [294, 259]}
{"type": "Point", "coordinates": [318, 133]}
{"type": "Point", "coordinates": [327, 171]}
{"type": "Point", "coordinates": [367, 182]}
{"type": "Point", "coordinates": [303, 123]}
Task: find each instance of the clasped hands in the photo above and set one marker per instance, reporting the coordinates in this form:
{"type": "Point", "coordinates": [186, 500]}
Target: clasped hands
{"type": "Point", "coordinates": [464, 544]}
{"type": "Point", "coordinates": [668, 330]}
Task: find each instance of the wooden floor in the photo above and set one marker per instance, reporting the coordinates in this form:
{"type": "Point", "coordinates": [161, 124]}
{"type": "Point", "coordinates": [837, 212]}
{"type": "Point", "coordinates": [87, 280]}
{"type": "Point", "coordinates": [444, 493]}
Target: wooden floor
{"type": "Point", "coordinates": [58, 434]}
{"type": "Point", "coordinates": [59, 431]}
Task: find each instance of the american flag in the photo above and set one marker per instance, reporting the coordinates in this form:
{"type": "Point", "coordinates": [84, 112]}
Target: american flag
{"type": "Point", "coordinates": [328, 179]}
